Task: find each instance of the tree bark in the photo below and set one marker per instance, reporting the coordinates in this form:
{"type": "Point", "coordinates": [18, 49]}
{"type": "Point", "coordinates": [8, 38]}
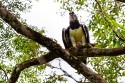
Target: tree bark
{"type": "Point", "coordinates": [71, 57]}
{"type": "Point", "coordinates": [121, 1]}
{"type": "Point", "coordinates": [20, 67]}
{"type": "Point", "coordinates": [28, 63]}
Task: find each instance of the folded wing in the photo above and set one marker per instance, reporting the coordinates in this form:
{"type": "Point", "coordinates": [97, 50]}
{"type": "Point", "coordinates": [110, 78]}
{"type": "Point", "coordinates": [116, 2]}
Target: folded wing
{"type": "Point", "coordinates": [66, 38]}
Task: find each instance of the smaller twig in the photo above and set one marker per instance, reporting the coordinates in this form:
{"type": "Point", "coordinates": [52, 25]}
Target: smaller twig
{"type": "Point", "coordinates": [84, 80]}
{"type": "Point", "coordinates": [122, 39]}
{"type": "Point", "coordinates": [65, 72]}
{"type": "Point", "coordinates": [109, 23]}
{"type": "Point", "coordinates": [6, 77]}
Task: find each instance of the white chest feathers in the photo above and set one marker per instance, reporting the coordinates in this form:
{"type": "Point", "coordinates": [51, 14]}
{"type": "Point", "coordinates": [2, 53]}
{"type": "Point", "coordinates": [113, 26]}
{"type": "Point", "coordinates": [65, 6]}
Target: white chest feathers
{"type": "Point", "coordinates": [77, 36]}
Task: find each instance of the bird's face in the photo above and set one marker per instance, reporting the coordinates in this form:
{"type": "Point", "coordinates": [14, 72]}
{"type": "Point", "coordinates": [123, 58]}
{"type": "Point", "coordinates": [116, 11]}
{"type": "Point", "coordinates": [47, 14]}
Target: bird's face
{"type": "Point", "coordinates": [72, 17]}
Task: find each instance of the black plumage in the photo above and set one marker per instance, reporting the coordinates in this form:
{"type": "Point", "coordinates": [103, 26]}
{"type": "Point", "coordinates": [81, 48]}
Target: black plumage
{"type": "Point", "coordinates": [75, 33]}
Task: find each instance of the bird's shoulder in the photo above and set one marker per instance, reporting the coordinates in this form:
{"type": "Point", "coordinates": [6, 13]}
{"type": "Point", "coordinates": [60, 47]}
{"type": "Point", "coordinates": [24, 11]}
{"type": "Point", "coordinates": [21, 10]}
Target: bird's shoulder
{"type": "Point", "coordinates": [83, 25]}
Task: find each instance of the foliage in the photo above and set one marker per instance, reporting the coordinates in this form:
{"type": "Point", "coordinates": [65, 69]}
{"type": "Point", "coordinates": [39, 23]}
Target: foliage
{"type": "Point", "coordinates": [17, 6]}
{"type": "Point", "coordinates": [15, 48]}
{"type": "Point", "coordinates": [107, 25]}
{"type": "Point", "coordinates": [54, 78]}
{"type": "Point", "coordinates": [71, 5]}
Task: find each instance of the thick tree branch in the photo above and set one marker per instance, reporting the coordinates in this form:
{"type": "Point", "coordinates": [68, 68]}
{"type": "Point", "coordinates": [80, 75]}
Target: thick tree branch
{"type": "Point", "coordinates": [26, 64]}
{"type": "Point", "coordinates": [99, 52]}
{"type": "Point", "coordinates": [47, 57]}
{"type": "Point", "coordinates": [52, 46]}
{"type": "Point", "coordinates": [26, 31]}
{"type": "Point", "coordinates": [121, 1]}
{"type": "Point", "coordinates": [20, 67]}
{"type": "Point", "coordinates": [73, 61]}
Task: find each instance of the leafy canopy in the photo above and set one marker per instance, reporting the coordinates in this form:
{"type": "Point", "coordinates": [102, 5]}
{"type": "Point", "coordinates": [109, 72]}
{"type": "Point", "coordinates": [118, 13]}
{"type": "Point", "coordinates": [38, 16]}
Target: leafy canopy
{"type": "Point", "coordinates": [108, 28]}
{"type": "Point", "coordinates": [106, 22]}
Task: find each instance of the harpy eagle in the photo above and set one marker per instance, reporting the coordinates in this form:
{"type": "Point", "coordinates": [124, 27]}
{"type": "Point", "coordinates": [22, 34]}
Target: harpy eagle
{"type": "Point", "coordinates": [75, 33]}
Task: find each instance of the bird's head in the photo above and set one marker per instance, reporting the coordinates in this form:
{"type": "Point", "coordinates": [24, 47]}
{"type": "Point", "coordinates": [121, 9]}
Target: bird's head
{"type": "Point", "coordinates": [72, 17]}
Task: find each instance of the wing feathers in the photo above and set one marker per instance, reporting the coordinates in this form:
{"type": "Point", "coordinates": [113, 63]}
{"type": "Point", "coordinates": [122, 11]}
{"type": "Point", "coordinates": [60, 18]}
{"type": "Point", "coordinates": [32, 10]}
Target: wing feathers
{"type": "Point", "coordinates": [66, 38]}
{"type": "Point", "coordinates": [85, 30]}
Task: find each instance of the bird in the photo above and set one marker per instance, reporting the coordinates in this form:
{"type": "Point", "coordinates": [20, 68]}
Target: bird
{"type": "Point", "coordinates": [75, 33]}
